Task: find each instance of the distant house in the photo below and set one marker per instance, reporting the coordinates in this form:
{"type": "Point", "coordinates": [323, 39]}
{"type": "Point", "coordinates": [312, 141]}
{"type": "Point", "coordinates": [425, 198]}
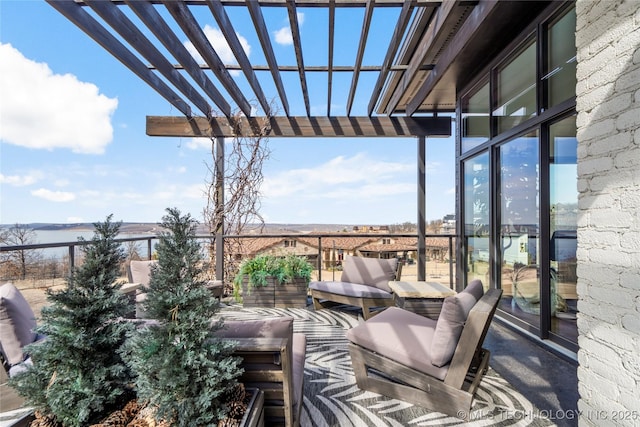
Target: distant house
{"type": "Point", "coordinates": [371, 228]}
{"type": "Point", "coordinates": [448, 224]}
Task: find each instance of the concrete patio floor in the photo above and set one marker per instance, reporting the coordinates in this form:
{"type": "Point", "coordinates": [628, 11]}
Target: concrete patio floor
{"type": "Point", "coordinates": [547, 378]}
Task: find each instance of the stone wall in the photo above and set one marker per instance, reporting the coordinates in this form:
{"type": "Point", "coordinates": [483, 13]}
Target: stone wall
{"type": "Point", "coordinates": [608, 104]}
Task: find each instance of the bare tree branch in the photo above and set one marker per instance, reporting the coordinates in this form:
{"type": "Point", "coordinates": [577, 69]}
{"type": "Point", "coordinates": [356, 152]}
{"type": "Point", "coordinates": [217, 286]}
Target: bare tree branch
{"type": "Point", "coordinates": [242, 179]}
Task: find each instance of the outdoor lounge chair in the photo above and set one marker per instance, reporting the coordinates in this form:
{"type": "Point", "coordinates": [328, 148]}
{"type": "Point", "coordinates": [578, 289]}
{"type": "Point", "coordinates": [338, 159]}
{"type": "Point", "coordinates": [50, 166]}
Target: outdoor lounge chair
{"type": "Point", "coordinates": [139, 274]}
{"type": "Point", "coordinates": [434, 364]}
{"type": "Point", "coordinates": [17, 325]}
{"type": "Point", "coordinates": [364, 283]}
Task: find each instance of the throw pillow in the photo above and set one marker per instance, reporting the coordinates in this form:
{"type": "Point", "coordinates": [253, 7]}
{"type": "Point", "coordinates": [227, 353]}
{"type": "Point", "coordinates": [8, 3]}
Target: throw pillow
{"type": "Point", "coordinates": [455, 310]}
{"type": "Point", "coordinates": [17, 323]}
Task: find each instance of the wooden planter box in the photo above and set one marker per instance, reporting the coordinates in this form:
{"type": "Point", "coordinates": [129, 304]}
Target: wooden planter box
{"type": "Point", "coordinates": [253, 417]}
{"type": "Point", "coordinates": [285, 295]}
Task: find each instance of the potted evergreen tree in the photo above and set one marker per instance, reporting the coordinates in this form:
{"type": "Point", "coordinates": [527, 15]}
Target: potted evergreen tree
{"type": "Point", "coordinates": [78, 374]}
{"type": "Point", "coordinates": [182, 371]}
{"type": "Point", "coordinates": [273, 281]}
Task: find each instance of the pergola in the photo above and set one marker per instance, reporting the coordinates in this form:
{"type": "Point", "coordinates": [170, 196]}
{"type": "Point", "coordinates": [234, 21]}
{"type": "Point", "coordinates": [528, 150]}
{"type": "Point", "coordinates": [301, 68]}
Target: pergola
{"type": "Point", "coordinates": [435, 46]}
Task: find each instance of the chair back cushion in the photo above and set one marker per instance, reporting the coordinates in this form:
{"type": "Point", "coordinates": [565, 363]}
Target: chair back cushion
{"type": "Point", "coordinates": [140, 271]}
{"type": "Point", "coordinates": [17, 323]}
{"type": "Point", "coordinates": [277, 327]}
{"type": "Point", "coordinates": [455, 310]}
{"type": "Point", "coordinates": [475, 288]}
{"type": "Point", "coordinates": [369, 271]}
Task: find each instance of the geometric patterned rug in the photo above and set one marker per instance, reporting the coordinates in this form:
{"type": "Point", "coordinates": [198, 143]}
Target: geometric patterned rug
{"type": "Point", "coordinates": [332, 398]}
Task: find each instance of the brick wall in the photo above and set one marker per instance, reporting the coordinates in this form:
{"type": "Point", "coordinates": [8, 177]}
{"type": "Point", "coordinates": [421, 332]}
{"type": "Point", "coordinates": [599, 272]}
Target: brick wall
{"type": "Point", "coordinates": [608, 104]}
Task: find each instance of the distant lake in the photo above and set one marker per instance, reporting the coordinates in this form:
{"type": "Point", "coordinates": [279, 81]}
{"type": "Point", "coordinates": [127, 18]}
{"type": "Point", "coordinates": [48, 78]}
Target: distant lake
{"type": "Point", "coordinates": [66, 236]}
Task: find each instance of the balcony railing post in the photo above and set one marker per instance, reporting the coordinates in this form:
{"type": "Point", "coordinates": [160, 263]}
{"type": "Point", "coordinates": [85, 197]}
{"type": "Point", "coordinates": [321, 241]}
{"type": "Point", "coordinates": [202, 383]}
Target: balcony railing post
{"type": "Point", "coordinates": [451, 262]}
{"type": "Point", "coordinates": [72, 261]}
{"type": "Point", "coordinates": [320, 258]}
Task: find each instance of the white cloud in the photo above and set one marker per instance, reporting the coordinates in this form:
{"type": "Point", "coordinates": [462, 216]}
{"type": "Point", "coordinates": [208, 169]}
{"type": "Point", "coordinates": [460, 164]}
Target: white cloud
{"type": "Point", "coordinates": [53, 196]}
{"type": "Point", "coordinates": [220, 45]}
{"type": "Point", "coordinates": [283, 35]}
{"type": "Point", "coordinates": [17, 180]}
{"type": "Point", "coordinates": [75, 219]}
{"type": "Point", "coordinates": [43, 110]}
{"type": "Point", "coordinates": [199, 144]}
{"type": "Point", "coordinates": [343, 178]}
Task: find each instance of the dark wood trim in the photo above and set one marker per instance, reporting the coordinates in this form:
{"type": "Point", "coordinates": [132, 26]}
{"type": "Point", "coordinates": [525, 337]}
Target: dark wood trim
{"type": "Point", "coordinates": [154, 21]}
{"type": "Point", "coordinates": [76, 14]}
{"type": "Point", "coordinates": [366, 24]}
{"type": "Point", "coordinates": [113, 16]}
{"type": "Point", "coordinates": [267, 48]}
{"type": "Point", "coordinates": [467, 31]}
{"type": "Point", "coordinates": [396, 38]}
{"type": "Point", "coordinates": [302, 3]}
{"type": "Point", "coordinates": [297, 47]}
{"type": "Point", "coordinates": [443, 21]}
{"type": "Point", "coordinates": [312, 68]}
{"type": "Point", "coordinates": [218, 12]}
{"type": "Point", "coordinates": [332, 23]}
{"type": "Point", "coordinates": [193, 31]}
{"type": "Point", "coordinates": [324, 127]}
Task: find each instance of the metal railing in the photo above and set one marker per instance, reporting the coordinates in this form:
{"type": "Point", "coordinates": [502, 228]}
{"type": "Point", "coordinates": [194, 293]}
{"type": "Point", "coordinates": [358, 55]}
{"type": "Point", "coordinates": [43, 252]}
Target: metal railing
{"type": "Point", "coordinates": [322, 244]}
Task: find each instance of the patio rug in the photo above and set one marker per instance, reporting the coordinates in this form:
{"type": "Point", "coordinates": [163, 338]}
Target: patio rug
{"type": "Point", "coordinates": [332, 398]}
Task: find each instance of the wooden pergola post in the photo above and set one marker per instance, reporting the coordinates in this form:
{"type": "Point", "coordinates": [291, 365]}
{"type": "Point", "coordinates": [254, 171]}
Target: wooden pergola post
{"type": "Point", "coordinates": [422, 245]}
{"type": "Point", "coordinates": [219, 188]}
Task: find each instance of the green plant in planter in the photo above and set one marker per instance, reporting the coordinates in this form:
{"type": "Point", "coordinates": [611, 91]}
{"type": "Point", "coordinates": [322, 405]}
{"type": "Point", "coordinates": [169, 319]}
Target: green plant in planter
{"type": "Point", "coordinates": [78, 374]}
{"type": "Point", "coordinates": [283, 269]}
{"type": "Point", "coordinates": [182, 370]}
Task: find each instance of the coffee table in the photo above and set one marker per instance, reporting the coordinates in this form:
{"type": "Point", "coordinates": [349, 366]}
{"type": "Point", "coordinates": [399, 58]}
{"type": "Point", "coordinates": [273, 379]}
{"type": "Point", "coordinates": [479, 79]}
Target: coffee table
{"type": "Point", "coordinates": [424, 298]}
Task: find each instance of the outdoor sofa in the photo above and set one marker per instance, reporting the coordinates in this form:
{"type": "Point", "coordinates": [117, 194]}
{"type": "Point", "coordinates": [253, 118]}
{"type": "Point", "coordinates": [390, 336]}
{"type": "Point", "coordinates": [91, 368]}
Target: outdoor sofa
{"type": "Point", "coordinates": [273, 361]}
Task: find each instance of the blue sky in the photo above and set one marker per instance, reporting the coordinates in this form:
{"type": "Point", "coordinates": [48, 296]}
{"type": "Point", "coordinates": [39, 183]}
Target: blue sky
{"type": "Point", "coordinates": [73, 146]}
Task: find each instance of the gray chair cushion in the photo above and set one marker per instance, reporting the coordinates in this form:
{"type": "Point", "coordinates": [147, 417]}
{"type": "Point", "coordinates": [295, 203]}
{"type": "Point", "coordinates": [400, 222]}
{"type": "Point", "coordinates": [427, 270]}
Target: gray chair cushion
{"type": "Point", "coordinates": [277, 327]}
{"type": "Point", "coordinates": [140, 271]}
{"type": "Point", "coordinates": [475, 288]}
{"type": "Point", "coordinates": [455, 310]}
{"type": "Point", "coordinates": [17, 323]}
{"type": "Point", "coordinates": [402, 336]}
{"type": "Point", "coordinates": [350, 289]}
{"type": "Point", "coordinates": [369, 271]}
{"type": "Point", "coordinates": [299, 350]}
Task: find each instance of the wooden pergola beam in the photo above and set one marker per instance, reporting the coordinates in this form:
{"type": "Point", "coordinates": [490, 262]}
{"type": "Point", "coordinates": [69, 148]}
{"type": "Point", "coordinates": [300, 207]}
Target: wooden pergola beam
{"type": "Point", "coordinates": [76, 14]}
{"type": "Point", "coordinates": [218, 12]}
{"type": "Point", "coordinates": [396, 39]}
{"type": "Point", "coordinates": [297, 47]}
{"type": "Point", "coordinates": [263, 35]}
{"type": "Point", "coordinates": [368, 14]}
{"type": "Point", "coordinates": [154, 21]}
{"type": "Point", "coordinates": [195, 33]}
{"type": "Point", "coordinates": [446, 16]}
{"type": "Point", "coordinates": [302, 127]}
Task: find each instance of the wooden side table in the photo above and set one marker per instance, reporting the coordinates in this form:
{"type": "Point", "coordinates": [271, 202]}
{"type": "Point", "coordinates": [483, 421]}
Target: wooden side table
{"type": "Point", "coordinates": [424, 298]}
